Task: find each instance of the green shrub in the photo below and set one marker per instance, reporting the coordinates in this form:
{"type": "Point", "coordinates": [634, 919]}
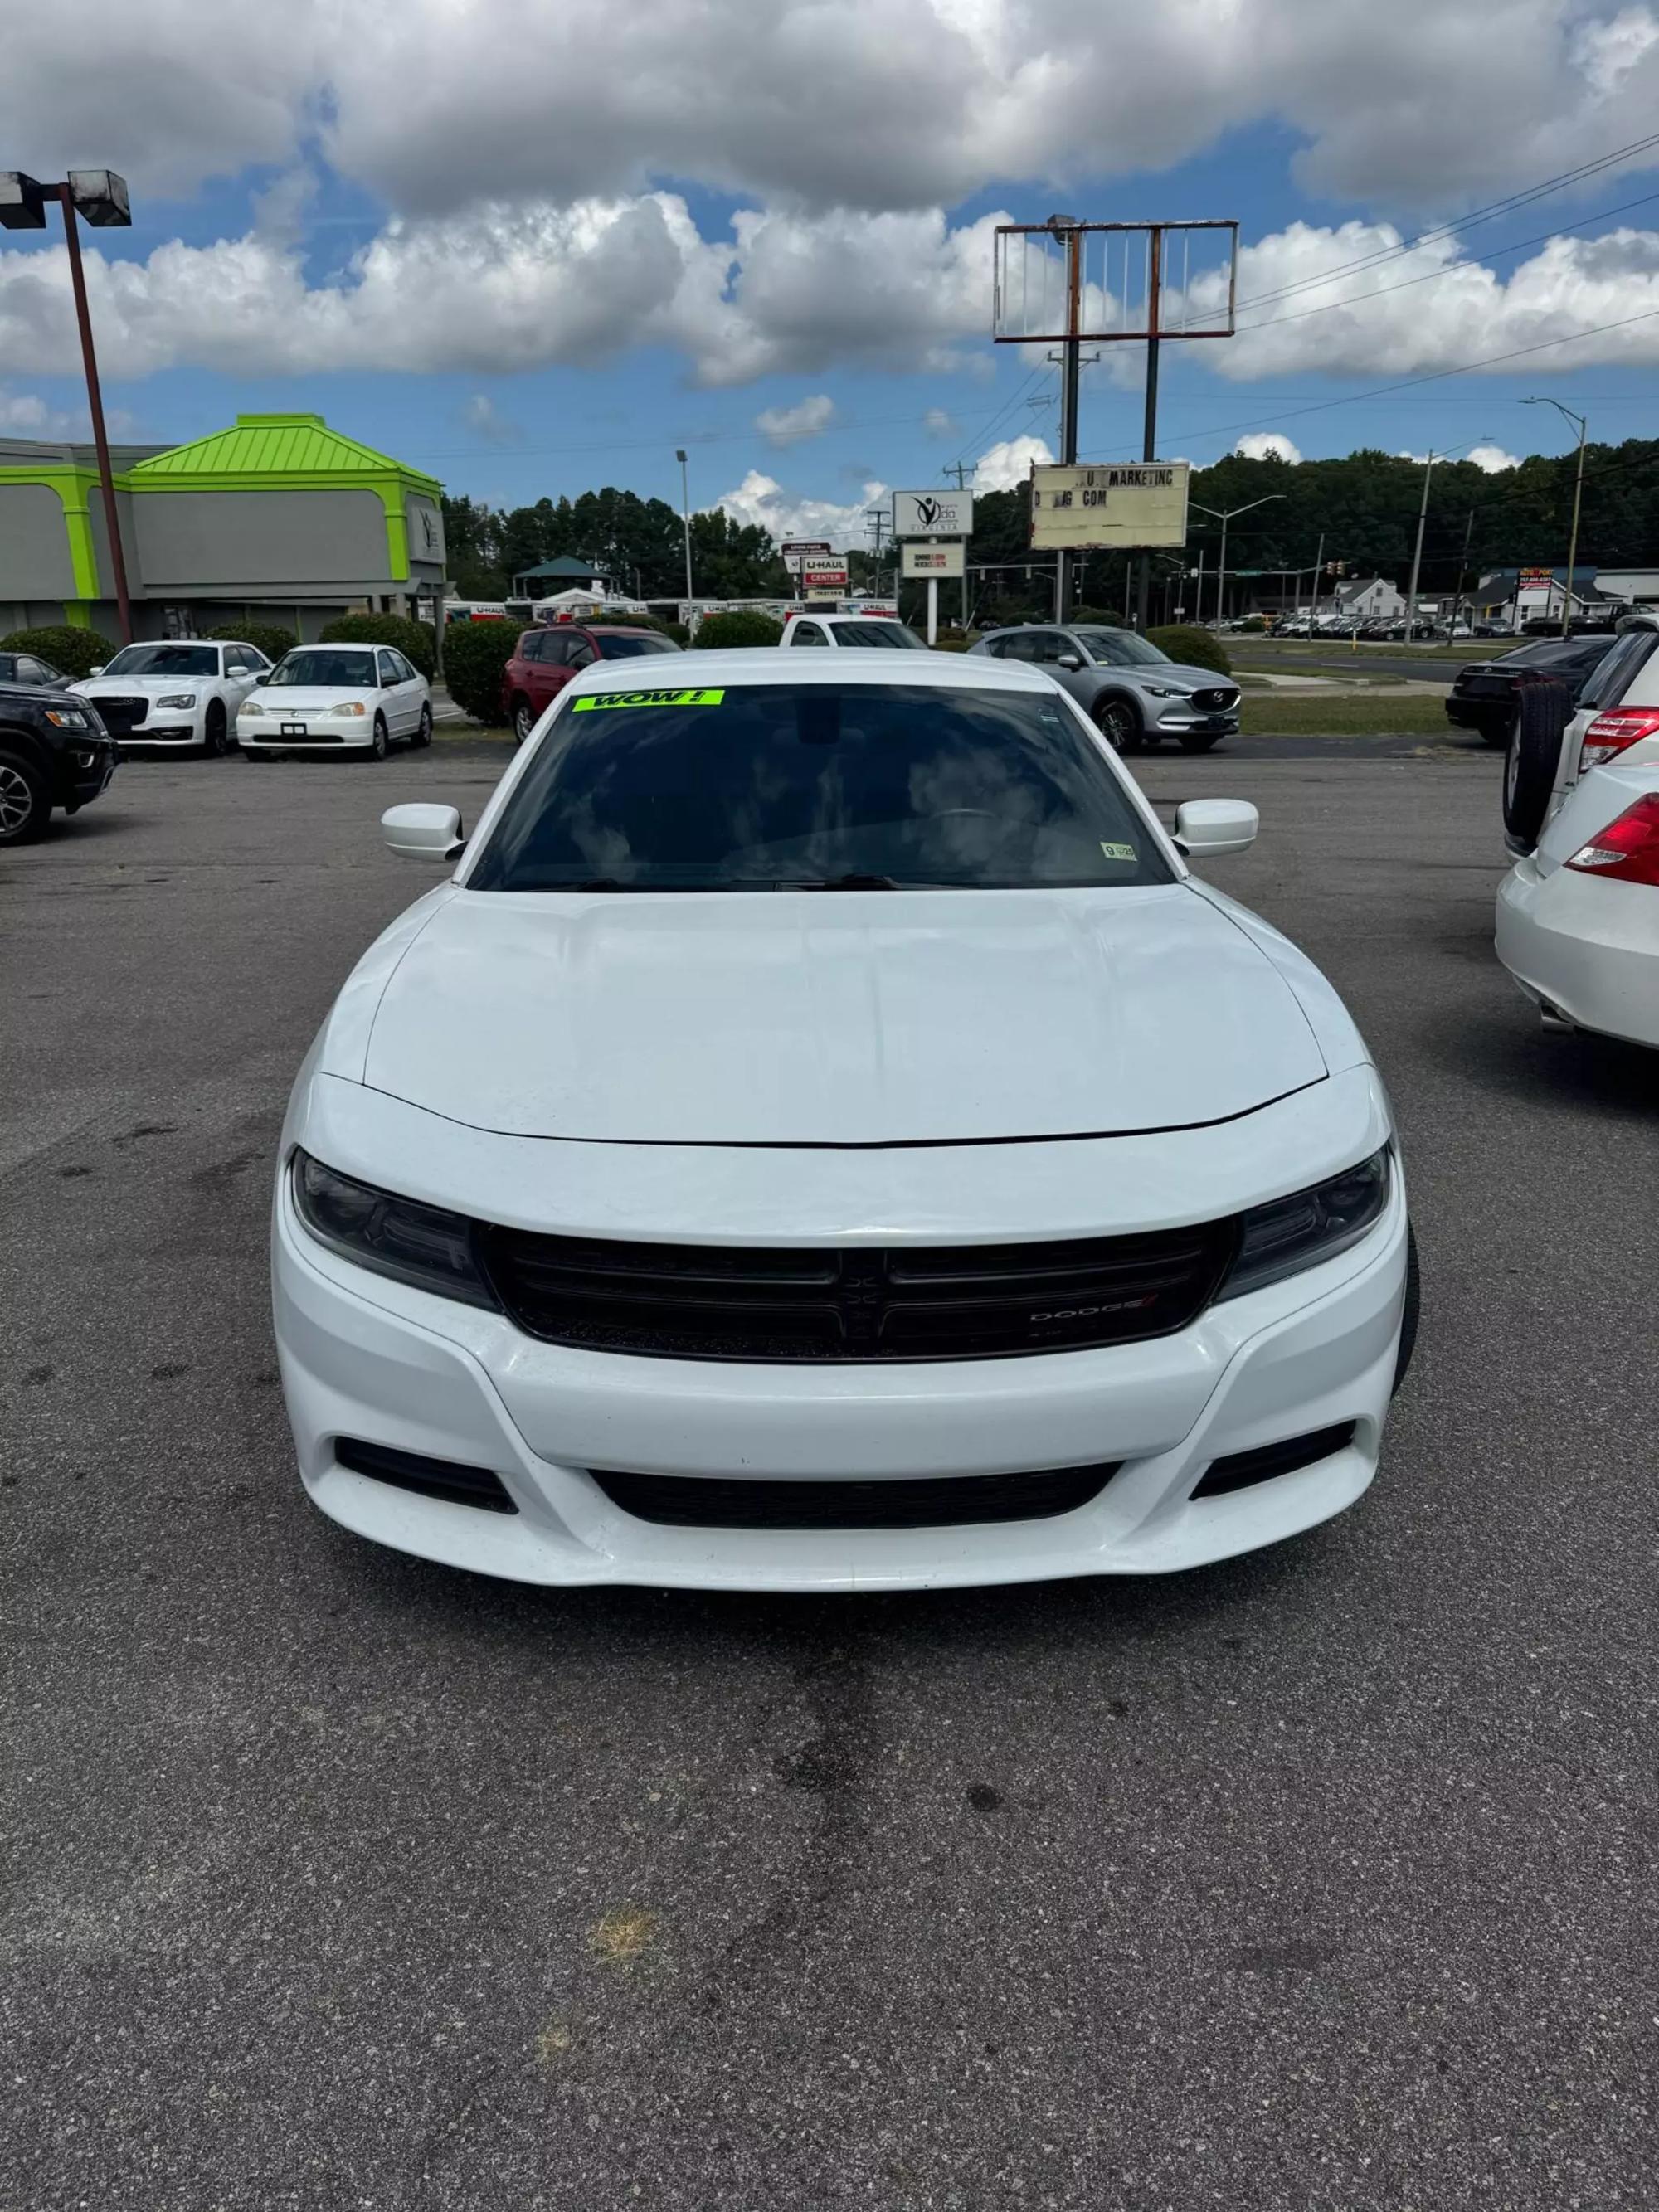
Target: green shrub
{"type": "Point", "coordinates": [677, 631]}
{"type": "Point", "coordinates": [1199, 649]}
{"type": "Point", "coordinates": [76, 652]}
{"type": "Point", "coordinates": [624, 622]}
{"type": "Point", "coordinates": [412, 639]}
{"type": "Point", "coordinates": [1096, 618]}
{"type": "Point", "coordinates": [272, 638]}
{"type": "Point", "coordinates": [476, 654]}
{"type": "Point", "coordinates": [740, 627]}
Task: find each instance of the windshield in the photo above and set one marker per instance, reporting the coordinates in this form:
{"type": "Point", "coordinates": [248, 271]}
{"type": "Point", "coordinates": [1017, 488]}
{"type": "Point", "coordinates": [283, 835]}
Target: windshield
{"type": "Point", "coordinates": [614, 645]}
{"type": "Point", "coordinates": [1555, 652]}
{"type": "Point", "coordinates": [888, 634]}
{"type": "Point", "coordinates": [768, 786]}
{"type": "Point", "coordinates": [349, 671]}
{"type": "Point", "coordinates": [164, 661]}
{"type": "Point", "coordinates": [1121, 648]}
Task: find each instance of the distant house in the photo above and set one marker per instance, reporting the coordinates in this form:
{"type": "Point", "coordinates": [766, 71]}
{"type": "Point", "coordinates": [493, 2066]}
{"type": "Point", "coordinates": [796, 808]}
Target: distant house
{"type": "Point", "coordinates": [561, 573]}
{"type": "Point", "coordinates": [1517, 596]}
{"type": "Point", "coordinates": [1365, 598]}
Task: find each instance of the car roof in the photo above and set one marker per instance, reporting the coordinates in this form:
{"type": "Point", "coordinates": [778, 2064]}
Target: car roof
{"type": "Point", "coordinates": [949, 671]}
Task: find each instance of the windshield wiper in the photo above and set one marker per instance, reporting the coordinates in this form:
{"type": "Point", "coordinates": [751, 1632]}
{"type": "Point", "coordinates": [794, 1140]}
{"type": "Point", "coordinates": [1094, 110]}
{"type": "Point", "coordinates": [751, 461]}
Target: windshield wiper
{"type": "Point", "coordinates": [856, 879]}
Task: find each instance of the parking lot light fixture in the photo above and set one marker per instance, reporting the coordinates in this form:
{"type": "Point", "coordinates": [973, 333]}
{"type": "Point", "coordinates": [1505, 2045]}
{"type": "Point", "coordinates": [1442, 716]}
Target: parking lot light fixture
{"type": "Point", "coordinates": [1577, 502]}
{"type": "Point", "coordinates": [100, 196]}
{"type": "Point", "coordinates": [685, 512]}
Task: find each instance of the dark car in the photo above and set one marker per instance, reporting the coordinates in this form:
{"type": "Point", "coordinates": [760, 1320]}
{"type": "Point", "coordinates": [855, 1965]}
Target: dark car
{"type": "Point", "coordinates": [546, 659]}
{"type": "Point", "coordinates": [1486, 694]}
{"type": "Point", "coordinates": [28, 668]}
{"type": "Point", "coordinates": [54, 751]}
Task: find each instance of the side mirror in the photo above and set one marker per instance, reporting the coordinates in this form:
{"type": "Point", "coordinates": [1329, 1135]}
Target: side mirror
{"type": "Point", "coordinates": [1071, 661]}
{"type": "Point", "coordinates": [423, 832]}
{"type": "Point", "coordinates": [96, 671]}
{"type": "Point", "coordinates": [1204, 828]}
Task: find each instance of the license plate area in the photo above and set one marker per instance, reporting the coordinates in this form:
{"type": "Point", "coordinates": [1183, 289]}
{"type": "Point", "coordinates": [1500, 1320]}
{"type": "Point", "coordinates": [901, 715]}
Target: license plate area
{"type": "Point", "coordinates": [293, 730]}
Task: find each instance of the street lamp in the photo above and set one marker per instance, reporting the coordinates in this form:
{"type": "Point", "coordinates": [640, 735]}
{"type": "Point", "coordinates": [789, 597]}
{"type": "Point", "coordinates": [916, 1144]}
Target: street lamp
{"type": "Point", "coordinates": [685, 510]}
{"type": "Point", "coordinates": [1224, 520]}
{"type": "Point", "coordinates": [101, 196]}
{"type": "Point", "coordinates": [1578, 500]}
{"type": "Point", "coordinates": [1422, 519]}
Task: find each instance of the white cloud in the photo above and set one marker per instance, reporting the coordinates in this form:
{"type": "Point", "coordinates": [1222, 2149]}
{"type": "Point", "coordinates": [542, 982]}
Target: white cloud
{"type": "Point", "coordinates": [26, 414]}
{"type": "Point", "coordinates": [937, 423]}
{"type": "Point", "coordinates": [486, 421]}
{"type": "Point", "coordinates": [762, 499]}
{"type": "Point", "coordinates": [861, 103]}
{"type": "Point", "coordinates": [1492, 458]}
{"type": "Point", "coordinates": [788, 425]}
{"type": "Point", "coordinates": [1267, 445]}
{"type": "Point", "coordinates": [1001, 467]}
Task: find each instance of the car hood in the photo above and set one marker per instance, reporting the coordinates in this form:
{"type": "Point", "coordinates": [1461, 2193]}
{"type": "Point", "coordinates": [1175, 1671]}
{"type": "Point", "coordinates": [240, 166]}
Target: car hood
{"type": "Point", "coordinates": [1180, 672]}
{"type": "Point", "coordinates": [105, 687]}
{"type": "Point", "coordinates": [834, 1018]}
{"type": "Point", "coordinates": [307, 698]}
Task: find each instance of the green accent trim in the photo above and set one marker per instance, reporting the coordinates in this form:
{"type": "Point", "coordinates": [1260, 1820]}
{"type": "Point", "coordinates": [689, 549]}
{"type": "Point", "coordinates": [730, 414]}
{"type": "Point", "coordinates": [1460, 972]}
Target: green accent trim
{"type": "Point", "coordinates": [397, 532]}
{"type": "Point", "coordinates": [75, 488]}
{"type": "Point", "coordinates": [77, 614]}
{"type": "Point", "coordinates": [295, 447]}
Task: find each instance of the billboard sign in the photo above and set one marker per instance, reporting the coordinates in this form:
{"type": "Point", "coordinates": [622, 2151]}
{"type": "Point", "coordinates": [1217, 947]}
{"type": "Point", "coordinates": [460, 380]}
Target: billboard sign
{"type": "Point", "coordinates": [796, 552]}
{"type": "Point", "coordinates": [1534, 579]}
{"type": "Point", "coordinates": [825, 576]}
{"type": "Point", "coordinates": [923, 559]}
{"type": "Point", "coordinates": [932, 515]}
{"type": "Point", "coordinates": [1121, 503]}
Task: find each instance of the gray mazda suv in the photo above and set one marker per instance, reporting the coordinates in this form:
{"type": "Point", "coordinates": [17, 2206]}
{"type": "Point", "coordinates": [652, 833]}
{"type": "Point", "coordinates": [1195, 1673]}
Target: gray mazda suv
{"type": "Point", "coordinates": [1134, 694]}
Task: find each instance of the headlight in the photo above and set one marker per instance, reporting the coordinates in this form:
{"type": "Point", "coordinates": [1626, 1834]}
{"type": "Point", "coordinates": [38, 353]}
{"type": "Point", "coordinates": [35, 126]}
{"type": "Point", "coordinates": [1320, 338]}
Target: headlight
{"type": "Point", "coordinates": [395, 1236]}
{"type": "Point", "coordinates": [1168, 691]}
{"type": "Point", "coordinates": [350, 707]}
{"type": "Point", "coordinates": [178, 699]}
{"type": "Point", "coordinates": [250, 707]}
{"type": "Point", "coordinates": [1297, 1232]}
{"type": "Point", "coordinates": [68, 718]}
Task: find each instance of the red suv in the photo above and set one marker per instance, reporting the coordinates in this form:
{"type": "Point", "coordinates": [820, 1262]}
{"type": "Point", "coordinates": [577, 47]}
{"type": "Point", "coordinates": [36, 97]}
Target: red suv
{"type": "Point", "coordinates": [545, 660]}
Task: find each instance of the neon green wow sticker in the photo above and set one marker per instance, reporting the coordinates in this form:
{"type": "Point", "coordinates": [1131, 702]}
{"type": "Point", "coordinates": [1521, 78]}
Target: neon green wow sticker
{"type": "Point", "coordinates": [686, 697]}
{"type": "Point", "coordinates": [1117, 851]}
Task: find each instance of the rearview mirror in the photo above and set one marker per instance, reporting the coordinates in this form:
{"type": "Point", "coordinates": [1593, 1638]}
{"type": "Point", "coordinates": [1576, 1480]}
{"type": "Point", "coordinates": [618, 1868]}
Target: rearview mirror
{"type": "Point", "coordinates": [423, 832]}
{"type": "Point", "coordinates": [1204, 828]}
{"type": "Point", "coordinates": [1071, 661]}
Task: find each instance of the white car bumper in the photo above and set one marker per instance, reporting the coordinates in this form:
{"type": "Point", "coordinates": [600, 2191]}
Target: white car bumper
{"type": "Point", "coordinates": [368, 1358]}
{"type": "Point", "coordinates": [161, 725]}
{"type": "Point", "coordinates": [284, 732]}
{"type": "Point", "coordinates": [1586, 948]}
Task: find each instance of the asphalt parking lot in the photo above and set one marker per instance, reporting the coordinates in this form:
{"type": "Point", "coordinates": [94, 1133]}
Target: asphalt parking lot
{"type": "Point", "coordinates": [1324, 1880]}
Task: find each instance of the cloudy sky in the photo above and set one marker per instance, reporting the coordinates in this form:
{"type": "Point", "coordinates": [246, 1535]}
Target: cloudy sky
{"type": "Point", "coordinates": [534, 258]}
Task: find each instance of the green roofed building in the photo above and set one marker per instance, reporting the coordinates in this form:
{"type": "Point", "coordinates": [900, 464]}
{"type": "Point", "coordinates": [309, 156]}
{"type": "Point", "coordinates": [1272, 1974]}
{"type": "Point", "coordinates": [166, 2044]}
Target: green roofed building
{"type": "Point", "coordinates": [278, 518]}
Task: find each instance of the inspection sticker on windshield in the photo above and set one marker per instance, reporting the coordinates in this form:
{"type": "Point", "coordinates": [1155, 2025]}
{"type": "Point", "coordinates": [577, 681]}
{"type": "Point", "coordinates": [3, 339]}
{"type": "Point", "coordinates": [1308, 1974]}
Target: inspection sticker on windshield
{"type": "Point", "coordinates": [681, 698]}
{"type": "Point", "coordinates": [1118, 851]}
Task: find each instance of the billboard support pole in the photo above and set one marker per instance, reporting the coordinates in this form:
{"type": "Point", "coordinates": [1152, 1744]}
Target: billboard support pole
{"type": "Point", "coordinates": [933, 610]}
{"type": "Point", "coordinates": [1070, 362]}
{"type": "Point", "coordinates": [1149, 440]}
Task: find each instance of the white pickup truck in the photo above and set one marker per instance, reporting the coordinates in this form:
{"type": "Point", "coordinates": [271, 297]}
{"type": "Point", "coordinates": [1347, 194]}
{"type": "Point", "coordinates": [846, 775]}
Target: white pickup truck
{"type": "Point", "coordinates": [850, 630]}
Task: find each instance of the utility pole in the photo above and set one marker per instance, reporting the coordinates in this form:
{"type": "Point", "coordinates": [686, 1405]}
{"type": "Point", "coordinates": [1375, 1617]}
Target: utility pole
{"type": "Point", "coordinates": [1462, 570]}
{"type": "Point", "coordinates": [961, 471]}
{"type": "Point", "coordinates": [1416, 553]}
{"type": "Point", "coordinates": [1149, 436]}
{"type": "Point", "coordinates": [685, 511]}
{"type": "Point", "coordinates": [1313, 597]}
{"type": "Point", "coordinates": [1577, 502]}
{"type": "Point", "coordinates": [1216, 514]}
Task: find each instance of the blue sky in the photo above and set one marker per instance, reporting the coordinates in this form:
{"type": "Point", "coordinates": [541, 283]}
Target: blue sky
{"type": "Point", "coordinates": [467, 288]}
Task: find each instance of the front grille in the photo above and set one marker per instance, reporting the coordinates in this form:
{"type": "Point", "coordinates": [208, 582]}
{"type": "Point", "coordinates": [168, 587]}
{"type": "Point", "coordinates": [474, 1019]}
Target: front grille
{"type": "Point", "coordinates": [275, 738]}
{"type": "Point", "coordinates": [121, 712]}
{"type": "Point", "coordinates": [676, 1501]}
{"type": "Point", "coordinates": [1214, 700]}
{"type": "Point", "coordinates": [972, 1301]}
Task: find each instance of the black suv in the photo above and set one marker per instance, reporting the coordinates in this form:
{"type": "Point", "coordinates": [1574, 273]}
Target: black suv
{"type": "Point", "coordinates": [54, 751]}
{"type": "Point", "coordinates": [1487, 694]}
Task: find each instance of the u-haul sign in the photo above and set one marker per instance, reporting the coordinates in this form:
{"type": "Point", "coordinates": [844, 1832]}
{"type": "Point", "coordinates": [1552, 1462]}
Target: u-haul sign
{"type": "Point", "coordinates": [1125, 504]}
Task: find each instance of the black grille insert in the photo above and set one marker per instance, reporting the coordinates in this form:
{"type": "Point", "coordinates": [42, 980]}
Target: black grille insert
{"type": "Point", "coordinates": [678, 1501]}
{"type": "Point", "coordinates": [958, 1302]}
{"type": "Point", "coordinates": [1215, 699]}
{"type": "Point", "coordinates": [120, 712]}
{"type": "Point", "coordinates": [1238, 1470]}
{"type": "Point", "coordinates": [451, 1479]}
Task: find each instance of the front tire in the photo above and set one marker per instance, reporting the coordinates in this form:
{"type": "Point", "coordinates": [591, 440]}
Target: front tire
{"type": "Point", "coordinates": [524, 720]}
{"type": "Point", "coordinates": [213, 730]}
{"type": "Point", "coordinates": [380, 744]}
{"type": "Point", "coordinates": [1119, 724]}
{"type": "Point", "coordinates": [422, 736]}
{"type": "Point", "coordinates": [25, 800]}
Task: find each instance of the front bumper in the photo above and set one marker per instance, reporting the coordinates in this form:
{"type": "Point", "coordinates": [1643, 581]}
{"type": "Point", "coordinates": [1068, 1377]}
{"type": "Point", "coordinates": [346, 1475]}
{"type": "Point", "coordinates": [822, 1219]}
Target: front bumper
{"type": "Point", "coordinates": [377, 1361]}
{"type": "Point", "coordinates": [329, 732]}
{"type": "Point", "coordinates": [1181, 719]}
{"type": "Point", "coordinates": [84, 767]}
{"type": "Point", "coordinates": [1584, 948]}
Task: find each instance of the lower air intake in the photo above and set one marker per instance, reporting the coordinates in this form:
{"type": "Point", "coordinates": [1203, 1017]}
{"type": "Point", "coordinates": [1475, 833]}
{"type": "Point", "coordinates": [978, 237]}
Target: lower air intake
{"type": "Point", "coordinates": [678, 1501]}
{"type": "Point", "coordinates": [1238, 1470]}
{"type": "Point", "coordinates": [451, 1479]}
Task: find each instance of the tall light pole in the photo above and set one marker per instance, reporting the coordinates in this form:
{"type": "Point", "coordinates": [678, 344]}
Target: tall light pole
{"type": "Point", "coordinates": [685, 512]}
{"type": "Point", "coordinates": [1578, 500]}
{"type": "Point", "coordinates": [101, 196]}
{"type": "Point", "coordinates": [1422, 518]}
{"type": "Point", "coordinates": [1223, 519]}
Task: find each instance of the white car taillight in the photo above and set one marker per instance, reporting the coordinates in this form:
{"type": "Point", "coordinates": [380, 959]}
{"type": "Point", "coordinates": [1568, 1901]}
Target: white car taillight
{"type": "Point", "coordinates": [1627, 850]}
{"type": "Point", "coordinates": [1609, 734]}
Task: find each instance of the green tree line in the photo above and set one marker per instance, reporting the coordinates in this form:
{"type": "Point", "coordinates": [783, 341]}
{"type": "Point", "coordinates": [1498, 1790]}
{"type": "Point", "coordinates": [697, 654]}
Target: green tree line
{"type": "Point", "coordinates": [640, 543]}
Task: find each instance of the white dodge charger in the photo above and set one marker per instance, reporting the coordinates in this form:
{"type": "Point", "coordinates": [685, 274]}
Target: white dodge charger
{"type": "Point", "coordinates": [820, 1136]}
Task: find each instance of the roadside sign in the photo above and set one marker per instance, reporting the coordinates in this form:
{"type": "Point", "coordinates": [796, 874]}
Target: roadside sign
{"type": "Point", "coordinates": [948, 559]}
{"type": "Point", "coordinates": [932, 515]}
{"type": "Point", "coordinates": [1534, 579]}
{"type": "Point", "coordinates": [796, 552]}
{"type": "Point", "coordinates": [825, 576]}
{"type": "Point", "coordinates": [1127, 503]}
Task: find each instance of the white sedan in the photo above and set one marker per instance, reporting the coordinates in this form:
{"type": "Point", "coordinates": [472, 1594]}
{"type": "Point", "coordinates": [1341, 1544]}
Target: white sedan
{"type": "Point", "coordinates": [366, 697]}
{"type": "Point", "coordinates": [820, 1136]}
{"type": "Point", "coordinates": [181, 692]}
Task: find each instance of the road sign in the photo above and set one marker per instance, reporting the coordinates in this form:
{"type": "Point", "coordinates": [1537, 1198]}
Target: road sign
{"type": "Point", "coordinates": [1127, 503]}
{"type": "Point", "coordinates": [932, 515]}
{"type": "Point", "coordinates": [924, 559]}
